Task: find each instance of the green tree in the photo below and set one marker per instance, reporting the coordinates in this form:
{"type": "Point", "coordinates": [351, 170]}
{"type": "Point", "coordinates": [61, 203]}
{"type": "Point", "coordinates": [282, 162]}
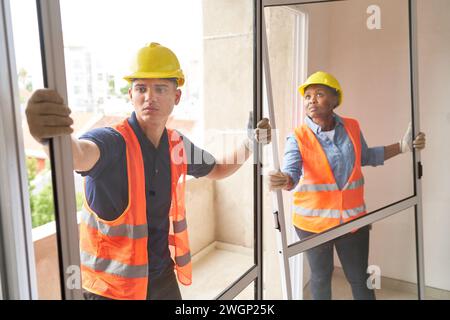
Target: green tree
{"type": "Point", "coordinates": [24, 84]}
{"type": "Point", "coordinates": [29, 86]}
{"type": "Point", "coordinates": [41, 203]}
{"type": "Point", "coordinates": [31, 169]}
{"type": "Point", "coordinates": [79, 197]}
{"type": "Point", "coordinates": [31, 172]}
{"type": "Point", "coordinates": [124, 90]}
{"type": "Point", "coordinates": [22, 76]}
{"type": "Point", "coordinates": [111, 86]}
{"type": "Point", "coordinates": [42, 206]}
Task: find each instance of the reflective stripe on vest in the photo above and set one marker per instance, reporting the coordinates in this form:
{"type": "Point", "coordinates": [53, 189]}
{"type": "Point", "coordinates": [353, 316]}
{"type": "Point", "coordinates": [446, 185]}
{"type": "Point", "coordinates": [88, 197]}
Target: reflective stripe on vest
{"type": "Point", "coordinates": [328, 213]}
{"type": "Point", "coordinates": [349, 213]}
{"type": "Point", "coordinates": [183, 260]}
{"type": "Point", "coordinates": [317, 187]}
{"type": "Point", "coordinates": [325, 213]}
{"type": "Point", "coordinates": [124, 230]}
{"type": "Point", "coordinates": [355, 184]}
{"type": "Point", "coordinates": [113, 267]}
{"type": "Point", "coordinates": [179, 226]}
{"type": "Point", "coordinates": [329, 187]}
{"type": "Point", "coordinates": [114, 256]}
{"type": "Point", "coordinates": [319, 204]}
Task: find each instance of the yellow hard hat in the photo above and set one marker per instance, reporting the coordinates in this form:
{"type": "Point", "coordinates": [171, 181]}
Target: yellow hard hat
{"type": "Point", "coordinates": [323, 78]}
{"type": "Point", "coordinates": [155, 61]}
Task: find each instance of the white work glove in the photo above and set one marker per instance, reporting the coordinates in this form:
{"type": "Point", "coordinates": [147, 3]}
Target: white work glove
{"type": "Point", "coordinates": [279, 180]}
{"type": "Point", "coordinates": [262, 134]}
{"type": "Point", "coordinates": [47, 115]}
{"type": "Point", "coordinates": [407, 144]}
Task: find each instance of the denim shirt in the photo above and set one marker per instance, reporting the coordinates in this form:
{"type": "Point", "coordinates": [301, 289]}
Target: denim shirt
{"type": "Point", "coordinates": [340, 153]}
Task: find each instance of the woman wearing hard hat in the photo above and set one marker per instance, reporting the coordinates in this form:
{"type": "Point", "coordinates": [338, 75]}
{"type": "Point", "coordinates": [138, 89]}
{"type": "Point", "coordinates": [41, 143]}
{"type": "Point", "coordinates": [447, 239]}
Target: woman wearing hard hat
{"type": "Point", "coordinates": [322, 161]}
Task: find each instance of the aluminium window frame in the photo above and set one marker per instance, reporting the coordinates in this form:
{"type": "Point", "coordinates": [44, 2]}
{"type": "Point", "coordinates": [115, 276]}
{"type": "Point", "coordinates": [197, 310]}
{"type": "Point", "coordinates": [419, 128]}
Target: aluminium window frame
{"type": "Point", "coordinates": [255, 273]}
{"type": "Point", "coordinates": [287, 251]}
{"type": "Point", "coordinates": [17, 264]}
{"type": "Point", "coordinates": [60, 151]}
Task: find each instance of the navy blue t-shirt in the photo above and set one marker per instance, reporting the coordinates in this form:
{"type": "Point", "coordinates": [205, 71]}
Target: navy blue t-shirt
{"type": "Point", "coordinates": [107, 183]}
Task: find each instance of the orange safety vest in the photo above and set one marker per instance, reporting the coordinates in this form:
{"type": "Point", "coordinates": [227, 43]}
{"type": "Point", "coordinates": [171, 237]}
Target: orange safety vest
{"type": "Point", "coordinates": [319, 204]}
{"type": "Point", "coordinates": [114, 258]}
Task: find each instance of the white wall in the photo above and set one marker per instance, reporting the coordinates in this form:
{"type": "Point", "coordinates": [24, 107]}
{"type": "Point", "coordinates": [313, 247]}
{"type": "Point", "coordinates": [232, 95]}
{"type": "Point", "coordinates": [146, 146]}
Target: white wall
{"type": "Point", "coordinates": [434, 70]}
{"type": "Point", "coordinates": [228, 98]}
{"type": "Point", "coordinates": [200, 213]}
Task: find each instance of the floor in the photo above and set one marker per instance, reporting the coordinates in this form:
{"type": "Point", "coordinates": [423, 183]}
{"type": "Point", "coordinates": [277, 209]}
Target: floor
{"type": "Point", "coordinates": [389, 291]}
{"type": "Point", "coordinates": [230, 262]}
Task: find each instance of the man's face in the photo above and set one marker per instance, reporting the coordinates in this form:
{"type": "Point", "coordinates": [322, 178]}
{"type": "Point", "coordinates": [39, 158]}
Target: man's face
{"type": "Point", "coordinates": [319, 101]}
{"type": "Point", "coordinates": [154, 99]}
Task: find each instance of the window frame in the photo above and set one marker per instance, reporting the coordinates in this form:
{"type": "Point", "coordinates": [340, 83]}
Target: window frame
{"type": "Point", "coordinates": [60, 151]}
{"type": "Point", "coordinates": [17, 265]}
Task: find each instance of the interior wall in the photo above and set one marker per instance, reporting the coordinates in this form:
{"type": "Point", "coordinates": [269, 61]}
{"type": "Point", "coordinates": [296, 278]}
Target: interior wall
{"type": "Point", "coordinates": [434, 84]}
{"type": "Point", "coordinates": [200, 213]}
{"type": "Point", "coordinates": [228, 98]}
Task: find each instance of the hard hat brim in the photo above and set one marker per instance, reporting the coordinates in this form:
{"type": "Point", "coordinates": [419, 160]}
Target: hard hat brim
{"type": "Point", "coordinates": [302, 88]}
{"type": "Point", "coordinates": [155, 75]}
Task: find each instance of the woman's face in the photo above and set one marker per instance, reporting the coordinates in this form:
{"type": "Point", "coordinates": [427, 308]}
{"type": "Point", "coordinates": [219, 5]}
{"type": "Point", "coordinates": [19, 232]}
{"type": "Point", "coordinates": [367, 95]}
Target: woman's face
{"type": "Point", "coordinates": [319, 101]}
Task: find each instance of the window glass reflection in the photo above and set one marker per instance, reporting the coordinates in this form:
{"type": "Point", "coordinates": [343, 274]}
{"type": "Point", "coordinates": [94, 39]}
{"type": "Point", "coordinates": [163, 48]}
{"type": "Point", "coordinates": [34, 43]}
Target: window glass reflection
{"type": "Point", "coordinates": [324, 60]}
{"type": "Point", "coordinates": [219, 213]}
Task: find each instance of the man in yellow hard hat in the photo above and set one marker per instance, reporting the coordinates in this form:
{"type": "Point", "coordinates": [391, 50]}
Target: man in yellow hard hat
{"type": "Point", "coordinates": [133, 231]}
{"type": "Point", "coordinates": [322, 161]}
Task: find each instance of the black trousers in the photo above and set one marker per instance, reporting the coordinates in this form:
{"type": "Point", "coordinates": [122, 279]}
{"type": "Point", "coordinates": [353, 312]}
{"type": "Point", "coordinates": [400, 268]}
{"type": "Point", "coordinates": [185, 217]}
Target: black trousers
{"type": "Point", "coordinates": [160, 287]}
{"type": "Point", "coordinates": [353, 252]}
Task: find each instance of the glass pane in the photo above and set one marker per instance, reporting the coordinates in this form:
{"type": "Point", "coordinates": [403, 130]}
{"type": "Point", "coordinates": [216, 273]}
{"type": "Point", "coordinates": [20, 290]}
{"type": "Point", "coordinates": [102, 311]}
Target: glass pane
{"type": "Point", "coordinates": [347, 39]}
{"type": "Point", "coordinates": [391, 272]}
{"type": "Point", "coordinates": [29, 69]}
{"type": "Point", "coordinates": [228, 74]}
{"type": "Point", "coordinates": [215, 49]}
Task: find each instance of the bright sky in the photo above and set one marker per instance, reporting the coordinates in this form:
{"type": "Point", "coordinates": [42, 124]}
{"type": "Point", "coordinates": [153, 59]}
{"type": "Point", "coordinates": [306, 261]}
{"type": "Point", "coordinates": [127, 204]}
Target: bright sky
{"type": "Point", "coordinates": [113, 29]}
{"type": "Point", "coordinates": [26, 38]}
